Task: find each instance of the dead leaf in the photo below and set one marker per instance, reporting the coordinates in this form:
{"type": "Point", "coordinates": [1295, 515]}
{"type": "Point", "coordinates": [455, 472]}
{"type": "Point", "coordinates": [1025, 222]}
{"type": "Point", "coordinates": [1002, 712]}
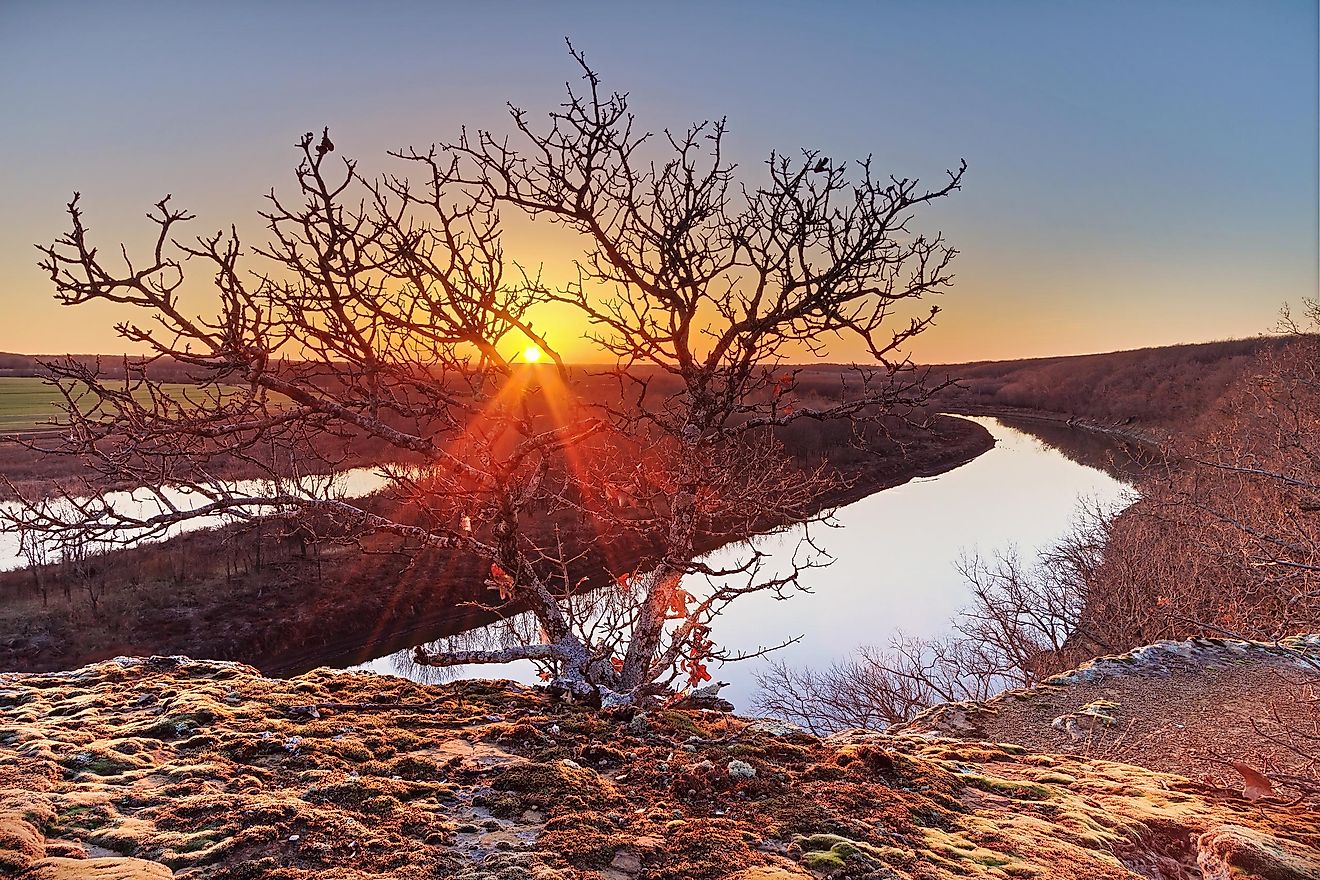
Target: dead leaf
{"type": "Point", "coordinates": [1254, 784]}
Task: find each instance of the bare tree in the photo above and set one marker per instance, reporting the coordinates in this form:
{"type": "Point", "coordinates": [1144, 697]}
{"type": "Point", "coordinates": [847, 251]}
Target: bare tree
{"type": "Point", "coordinates": [380, 313]}
{"type": "Point", "coordinates": [713, 286]}
{"type": "Point", "coordinates": [878, 687]}
{"type": "Point", "coordinates": [1026, 621]}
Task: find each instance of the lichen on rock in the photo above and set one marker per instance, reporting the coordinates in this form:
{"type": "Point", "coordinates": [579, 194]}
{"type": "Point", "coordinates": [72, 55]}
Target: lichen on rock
{"type": "Point", "coordinates": [208, 770]}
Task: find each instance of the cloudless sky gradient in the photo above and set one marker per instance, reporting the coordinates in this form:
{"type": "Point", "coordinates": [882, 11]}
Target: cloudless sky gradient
{"type": "Point", "coordinates": [1140, 172]}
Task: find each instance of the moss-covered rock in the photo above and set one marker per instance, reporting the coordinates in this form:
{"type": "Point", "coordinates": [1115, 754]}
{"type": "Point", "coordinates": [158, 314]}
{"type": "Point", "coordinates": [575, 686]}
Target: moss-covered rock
{"type": "Point", "coordinates": [21, 844]}
{"type": "Point", "coordinates": [97, 869]}
{"type": "Point", "coordinates": [224, 774]}
{"type": "Point", "coordinates": [1231, 852]}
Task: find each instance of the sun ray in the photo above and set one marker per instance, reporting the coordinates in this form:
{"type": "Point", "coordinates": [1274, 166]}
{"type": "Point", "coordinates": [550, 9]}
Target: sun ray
{"type": "Point", "coordinates": [559, 402]}
{"type": "Point", "coordinates": [514, 387]}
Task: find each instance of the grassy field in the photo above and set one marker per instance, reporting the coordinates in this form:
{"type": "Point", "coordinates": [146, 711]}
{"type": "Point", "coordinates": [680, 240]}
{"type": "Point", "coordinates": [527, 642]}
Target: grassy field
{"type": "Point", "coordinates": [29, 404]}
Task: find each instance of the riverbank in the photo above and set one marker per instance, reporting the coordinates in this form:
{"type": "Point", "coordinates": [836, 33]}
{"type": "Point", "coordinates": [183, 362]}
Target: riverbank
{"type": "Point", "coordinates": [958, 442]}
{"type": "Point", "coordinates": [1150, 441]}
{"type": "Point", "coordinates": [151, 769]}
{"type": "Point", "coordinates": [236, 594]}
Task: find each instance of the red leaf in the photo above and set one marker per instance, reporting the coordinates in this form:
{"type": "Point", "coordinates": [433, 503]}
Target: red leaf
{"type": "Point", "coordinates": [1254, 783]}
{"type": "Point", "coordinates": [500, 580]}
{"type": "Point", "coordinates": [678, 602]}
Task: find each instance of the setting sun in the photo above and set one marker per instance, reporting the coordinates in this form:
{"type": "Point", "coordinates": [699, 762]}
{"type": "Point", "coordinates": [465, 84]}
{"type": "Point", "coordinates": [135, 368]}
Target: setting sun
{"type": "Point", "coordinates": [532, 353]}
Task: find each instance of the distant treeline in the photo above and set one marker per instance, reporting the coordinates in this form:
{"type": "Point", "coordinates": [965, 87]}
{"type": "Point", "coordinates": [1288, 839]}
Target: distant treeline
{"type": "Point", "coordinates": [19, 365]}
{"type": "Point", "coordinates": [109, 366]}
{"type": "Point", "coordinates": [1158, 390]}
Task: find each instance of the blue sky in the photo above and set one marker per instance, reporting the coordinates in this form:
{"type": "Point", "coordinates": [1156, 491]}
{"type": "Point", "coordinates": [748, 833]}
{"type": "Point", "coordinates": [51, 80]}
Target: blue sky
{"type": "Point", "coordinates": [1140, 173]}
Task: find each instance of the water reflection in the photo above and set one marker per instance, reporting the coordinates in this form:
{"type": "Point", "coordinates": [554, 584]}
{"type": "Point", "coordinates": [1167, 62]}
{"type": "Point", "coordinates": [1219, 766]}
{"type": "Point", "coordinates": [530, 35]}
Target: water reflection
{"type": "Point", "coordinates": [144, 503]}
{"type": "Point", "coordinates": [896, 553]}
{"type": "Point", "coordinates": [1121, 457]}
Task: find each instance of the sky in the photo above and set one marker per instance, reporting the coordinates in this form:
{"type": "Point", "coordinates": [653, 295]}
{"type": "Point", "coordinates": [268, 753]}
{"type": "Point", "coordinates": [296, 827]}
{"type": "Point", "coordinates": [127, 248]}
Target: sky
{"type": "Point", "coordinates": [1140, 173]}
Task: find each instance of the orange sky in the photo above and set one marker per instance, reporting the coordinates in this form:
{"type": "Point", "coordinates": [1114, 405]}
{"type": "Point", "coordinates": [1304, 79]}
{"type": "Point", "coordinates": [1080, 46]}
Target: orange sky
{"type": "Point", "coordinates": [999, 308]}
{"type": "Point", "coordinates": [1140, 174]}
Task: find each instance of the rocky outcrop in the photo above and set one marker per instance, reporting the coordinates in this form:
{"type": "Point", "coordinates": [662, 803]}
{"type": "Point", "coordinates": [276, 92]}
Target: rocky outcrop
{"type": "Point", "coordinates": [1211, 709]}
{"type": "Point", "coordinates": [152, 768]}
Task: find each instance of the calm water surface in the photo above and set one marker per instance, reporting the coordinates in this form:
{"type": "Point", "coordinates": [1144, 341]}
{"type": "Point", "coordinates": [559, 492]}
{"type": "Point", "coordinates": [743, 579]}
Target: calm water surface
{"type": "Point", "coordinates": [895, 555]}
{"type": "Point", "coordinates": [146, 503]}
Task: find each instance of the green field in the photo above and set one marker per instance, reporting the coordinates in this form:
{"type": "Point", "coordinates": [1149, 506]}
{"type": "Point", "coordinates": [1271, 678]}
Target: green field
{"type": "Point", "coordinates": [29, 404]}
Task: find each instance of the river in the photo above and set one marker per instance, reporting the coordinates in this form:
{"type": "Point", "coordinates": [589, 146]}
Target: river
{"type": "Point", "coordinates": [144, 503]}
{"type": "Point", "coordinates": [895, 555]}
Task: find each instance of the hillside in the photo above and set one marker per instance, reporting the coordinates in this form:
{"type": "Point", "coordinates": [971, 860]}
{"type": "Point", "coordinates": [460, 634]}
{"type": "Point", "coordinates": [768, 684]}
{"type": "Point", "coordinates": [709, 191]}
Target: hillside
{"type": "Point", "coordinates": [147, 769]}
{"type": "Point", "coordinates": [1155, 389]}
{"type": "Point", "coordinates": [1150, 391]}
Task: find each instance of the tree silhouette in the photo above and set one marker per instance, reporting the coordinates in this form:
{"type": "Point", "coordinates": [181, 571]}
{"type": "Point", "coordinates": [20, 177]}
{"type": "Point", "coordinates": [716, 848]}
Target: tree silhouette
{"type": "Point", "coordinates": [380, 312]}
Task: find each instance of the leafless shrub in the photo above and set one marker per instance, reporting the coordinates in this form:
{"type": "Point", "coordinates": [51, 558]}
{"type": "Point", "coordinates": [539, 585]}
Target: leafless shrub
{"type": "Point", "coordinates": [879, 687]}
{"type": "Point", "coordinates": [1023, 623]}
{"type": "Point", "coordinates": [1031, 616]}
